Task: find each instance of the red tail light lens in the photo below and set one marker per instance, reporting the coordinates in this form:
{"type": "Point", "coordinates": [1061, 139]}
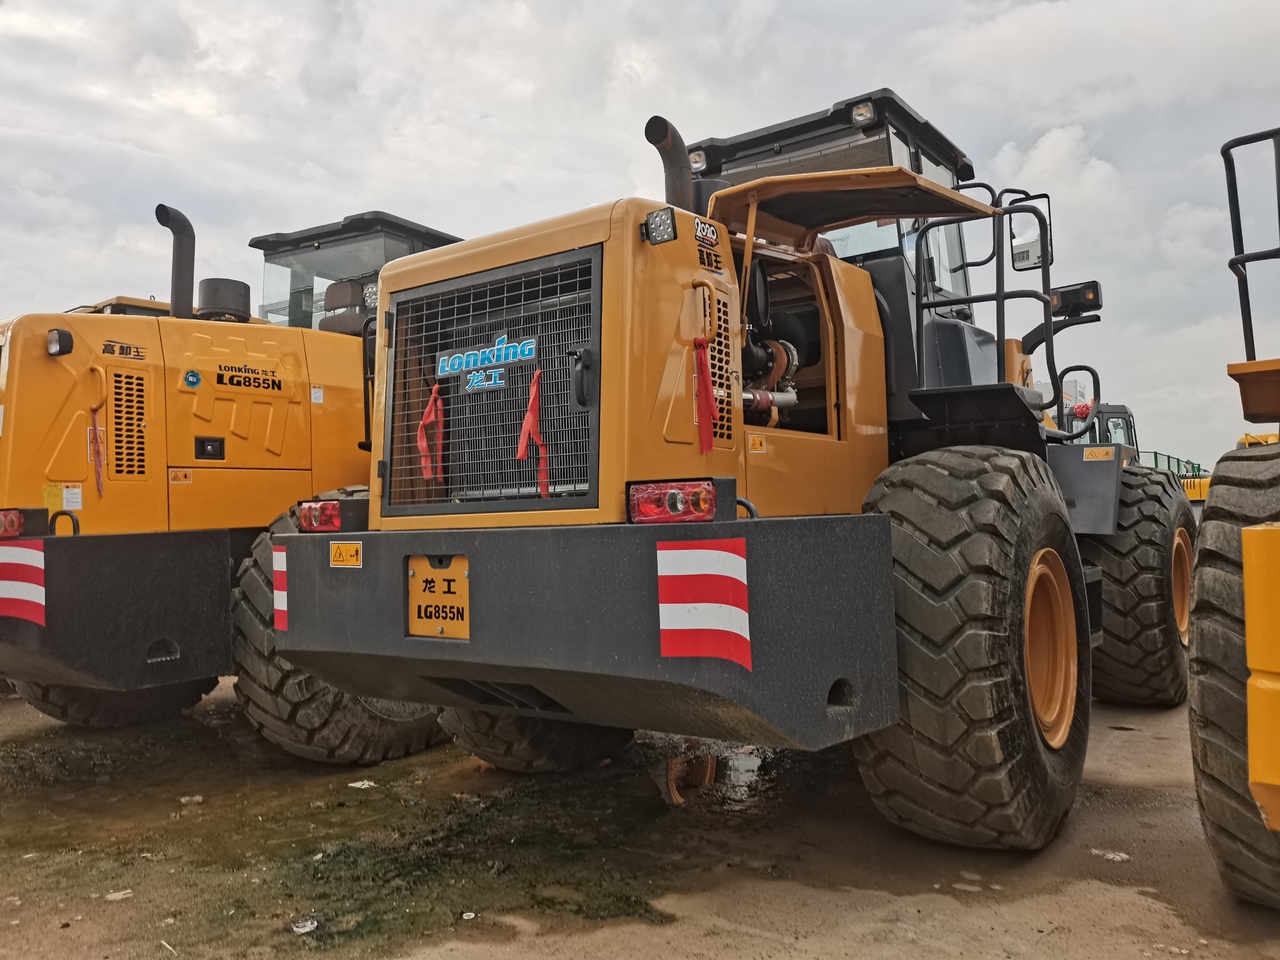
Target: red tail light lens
{"type": "Point", "coordinates": [320, 516]}
{"type": "Point", "coordinates": [672, 502]}
{"type": "Point", "coordinates": [11, 523]}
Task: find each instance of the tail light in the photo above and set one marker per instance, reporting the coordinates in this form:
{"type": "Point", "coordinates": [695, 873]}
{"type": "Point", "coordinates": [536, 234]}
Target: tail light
{"type": "Point", "coordinates": [320, 516]}
{"type": "Point", "coordinates": [671, 502]}
{"type": "Point", "coordinates": [11, 524]}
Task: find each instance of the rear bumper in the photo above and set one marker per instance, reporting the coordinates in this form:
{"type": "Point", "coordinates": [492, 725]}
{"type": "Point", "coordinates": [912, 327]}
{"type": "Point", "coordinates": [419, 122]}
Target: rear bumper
{"type": "Point", "coordinates": [118, 612]}
{"type": "Point", "coordinates": [566, 623]}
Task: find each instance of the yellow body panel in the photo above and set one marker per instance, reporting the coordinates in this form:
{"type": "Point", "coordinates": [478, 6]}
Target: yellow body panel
{"type": "Point", "coordinates": [656, 300]}
{"type": "Point", "coordinates": [133, 372]}
{"type": "Point", "coordinates": [1262, 646]}
{"type": "Point", "coordinates": [203, 498]}
{"type": "Point", "coordinates": [246, 384]}
{"type": "Point", "coordinates": [337, 410]}
{"type": "Point", "coordinates": [49, 405]}
{"type": "Point", "coordinates": [1197, 488]}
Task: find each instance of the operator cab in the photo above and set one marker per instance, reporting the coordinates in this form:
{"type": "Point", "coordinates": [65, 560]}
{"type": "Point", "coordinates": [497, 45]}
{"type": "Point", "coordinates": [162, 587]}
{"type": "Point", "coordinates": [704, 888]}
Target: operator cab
{"type": "Point", "coordinates": [326, 277]}
{"type": "Point", "coordinates": [878, 130]}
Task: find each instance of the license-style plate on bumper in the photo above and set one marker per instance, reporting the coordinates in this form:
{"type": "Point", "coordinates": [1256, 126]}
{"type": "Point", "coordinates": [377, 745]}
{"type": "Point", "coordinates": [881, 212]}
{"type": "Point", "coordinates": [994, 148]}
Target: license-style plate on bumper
{"type": "Point", "coordinates": [439, 597]}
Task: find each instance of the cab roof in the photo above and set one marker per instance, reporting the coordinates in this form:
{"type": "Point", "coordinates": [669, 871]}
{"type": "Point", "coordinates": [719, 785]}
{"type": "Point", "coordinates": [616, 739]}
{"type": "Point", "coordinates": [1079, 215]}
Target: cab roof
{"type": "Point", "coordinates": [355, 224]}
{"type": "Point", "coordinates": [794, 209]}
{"type": "Point", "coordinates": [832, 125]}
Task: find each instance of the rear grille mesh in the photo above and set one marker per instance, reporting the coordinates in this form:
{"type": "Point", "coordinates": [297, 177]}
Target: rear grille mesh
{"type": "Point", "coordinates": [128, 452]}
{"type": "Point", "coordinates": [554, 301]}
{"type": "Point", "coordinates": [722, 374]}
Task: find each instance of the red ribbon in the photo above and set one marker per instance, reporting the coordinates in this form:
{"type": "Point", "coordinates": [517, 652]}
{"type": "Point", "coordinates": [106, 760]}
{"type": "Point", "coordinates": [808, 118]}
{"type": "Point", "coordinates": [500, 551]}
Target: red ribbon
{"type": "Point", "coordinates": [1081, 410]}
{"type": "Point", "coordinates": [529, 431]}
{"type": "Point", "coordinates": [429, 454]}
{"type": "Point", "coordinates": [95, 450]}
{"type": "Point", "coordinates": [708, 413]}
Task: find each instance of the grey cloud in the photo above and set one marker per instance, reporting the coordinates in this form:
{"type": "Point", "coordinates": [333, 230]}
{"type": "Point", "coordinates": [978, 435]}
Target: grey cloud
{"type": "Point", "coordinates": [474, 117]}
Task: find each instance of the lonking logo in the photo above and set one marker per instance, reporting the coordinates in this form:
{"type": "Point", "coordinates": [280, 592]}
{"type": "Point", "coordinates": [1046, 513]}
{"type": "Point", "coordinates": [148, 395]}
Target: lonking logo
{"type": "Point", "coordinates": [486, 368]}
{"type": "Point", "coordinates": [240, 375]}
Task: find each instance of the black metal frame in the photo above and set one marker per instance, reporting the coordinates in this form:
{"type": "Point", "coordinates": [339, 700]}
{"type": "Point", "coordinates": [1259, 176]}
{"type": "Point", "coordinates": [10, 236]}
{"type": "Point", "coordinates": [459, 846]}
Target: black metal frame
{"type": "Point", "coordinates": [999, 297]}
{"type": "Point", "coordinates": [367, 378]}
{"type": "Point", "coordinates": [1240, 261]}
{"type": "Point", "coordinates": [1087, 423]}
{"type": "Point", "coordinates": [587, 501]}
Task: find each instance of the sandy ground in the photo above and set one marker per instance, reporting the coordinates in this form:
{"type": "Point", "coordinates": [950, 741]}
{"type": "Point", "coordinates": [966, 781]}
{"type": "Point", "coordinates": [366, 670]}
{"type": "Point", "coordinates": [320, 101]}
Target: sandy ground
{"type": "Point", "coordinates": [783, 856]}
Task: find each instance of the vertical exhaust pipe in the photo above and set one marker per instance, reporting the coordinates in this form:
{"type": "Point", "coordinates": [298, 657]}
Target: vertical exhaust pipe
{"type": "Point", "coordinates": [182, 276]}
{"type": "Point", "coordinates": [675, 161]}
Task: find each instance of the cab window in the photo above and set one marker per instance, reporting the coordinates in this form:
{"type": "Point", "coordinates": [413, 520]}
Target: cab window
{"type": "Point", "coordinates": [1118, 431]}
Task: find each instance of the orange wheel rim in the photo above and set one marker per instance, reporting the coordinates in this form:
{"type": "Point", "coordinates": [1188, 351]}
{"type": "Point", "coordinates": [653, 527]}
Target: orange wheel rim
{"type": "Point", "coordinates": [1049, 646]}
{"type": "Point", "coordinates": [1181, 569]}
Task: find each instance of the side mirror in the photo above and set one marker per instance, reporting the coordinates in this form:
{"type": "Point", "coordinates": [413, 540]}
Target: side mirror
{"type": "Point", "coordinates": [1027, 247]}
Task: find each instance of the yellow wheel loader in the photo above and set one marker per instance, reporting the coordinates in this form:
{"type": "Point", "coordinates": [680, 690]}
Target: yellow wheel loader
{"type": "Point", "coordinates": [144, 449]}
{"type": "Point", "coordinates": [735, 465]}
{"type": "Point", "coordinates": [1146, 569]}
{"type": "Point", "coordinates": [1235, 623]}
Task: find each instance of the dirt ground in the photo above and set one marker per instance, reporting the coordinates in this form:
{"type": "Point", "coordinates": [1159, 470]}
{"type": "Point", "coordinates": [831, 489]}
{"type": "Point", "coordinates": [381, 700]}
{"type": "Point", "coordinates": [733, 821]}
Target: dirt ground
{"type": "Point", "coordinates": [194, 839]}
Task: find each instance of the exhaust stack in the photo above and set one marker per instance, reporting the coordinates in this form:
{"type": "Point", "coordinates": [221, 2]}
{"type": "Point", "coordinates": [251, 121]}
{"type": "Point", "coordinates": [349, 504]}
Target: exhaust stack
{"type": "Point", "coordinates": [675, 161]}
{"type": "Point", "coordinates": [182, 277]}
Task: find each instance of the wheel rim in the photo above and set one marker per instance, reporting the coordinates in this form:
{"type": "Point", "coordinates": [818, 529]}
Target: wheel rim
{"type": "Point", "coordinates": [1049, 646]}
{"type": "Point", "coordinates": [1182, 583]}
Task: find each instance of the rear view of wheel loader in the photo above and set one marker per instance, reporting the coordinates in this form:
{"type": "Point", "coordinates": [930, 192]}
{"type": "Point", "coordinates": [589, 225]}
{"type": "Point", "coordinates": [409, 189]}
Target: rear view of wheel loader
{"type": "Point", "coordinates": [736, 465]}
{"type": "Point", "coordinates": [1235, 646]}
{"type": "Point", "coordinates": [145, 446]}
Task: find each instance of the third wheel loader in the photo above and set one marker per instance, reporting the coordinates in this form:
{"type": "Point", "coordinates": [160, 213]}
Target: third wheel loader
{"type": "Point", "coordinates": [737, 464]}
{"type": "Point", "coordinates": [1235, 620]}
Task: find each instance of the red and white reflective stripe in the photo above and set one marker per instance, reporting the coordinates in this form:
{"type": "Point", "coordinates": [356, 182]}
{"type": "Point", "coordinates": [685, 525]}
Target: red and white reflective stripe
{"type": "Point", "coordinates": [280, 583]}
{"type": "Point", "coordinates": [702, 599]}
{"type": "Point", "coordinates": [22, 580]}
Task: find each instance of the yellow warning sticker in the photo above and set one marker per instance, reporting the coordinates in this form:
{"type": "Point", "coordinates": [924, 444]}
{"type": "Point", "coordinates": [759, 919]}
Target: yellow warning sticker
{"type": "Point", "coordinates": [1099, 453]}
{"type": "Point", "coordinates": [345, 554]}
{"type": "Point", "coordinates": [755, 443]}
{"type": "Point", "coordinates": [63, 496]}
{"type": "Point", "coordinates": [180, 475]}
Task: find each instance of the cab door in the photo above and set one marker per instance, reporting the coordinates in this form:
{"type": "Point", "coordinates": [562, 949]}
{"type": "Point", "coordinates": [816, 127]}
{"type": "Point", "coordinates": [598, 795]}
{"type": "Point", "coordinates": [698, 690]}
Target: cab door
{"type": "Point", "coordinates": [821, 456]}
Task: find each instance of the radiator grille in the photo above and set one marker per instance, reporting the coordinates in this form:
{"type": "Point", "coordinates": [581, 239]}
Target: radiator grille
{"type": "Point", "coordinates": [719, 354]}
{"type": "Point", "coordinates": [554, 301]}
{"type": "Point", "coordinates": [128, 415]}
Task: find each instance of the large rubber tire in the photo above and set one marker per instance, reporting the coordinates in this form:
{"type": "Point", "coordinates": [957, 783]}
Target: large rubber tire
{"type": "Point", "coordinates": [101, 709]}
{"type": "Point", "coordinates": [1245, 490]}
{"type": "Point", "coordinates": [1143, 657]}
{"type": "Point", "coordinates": [295, 709]}
{"type": "Point", "coordinates": [531, 744]}
{"type": "Point", "coordinates": [966, 762]}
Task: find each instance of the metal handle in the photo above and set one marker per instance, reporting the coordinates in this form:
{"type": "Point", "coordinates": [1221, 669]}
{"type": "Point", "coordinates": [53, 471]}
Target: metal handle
{"type": "Point", "coordinates": [102, 374]}
{"type": "Point", "coordinates": [366, 381]}
{"type": "Point", "coordinates": [582, 376]}
{"type": "Point", "coordinates": [53, 522]}
{"type": "Point", "coordinates": [710, 315]}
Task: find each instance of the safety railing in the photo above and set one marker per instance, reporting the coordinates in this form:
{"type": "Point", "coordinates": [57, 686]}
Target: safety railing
{"type": "Point", "coordinates": [1243, 258]}
{"type": "Point", "coordinates": [1177, 465]}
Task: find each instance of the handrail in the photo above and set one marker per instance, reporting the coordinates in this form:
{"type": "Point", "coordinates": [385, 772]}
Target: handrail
{"type": "Point", "coordinates": [1241, 258]}
{"type": "Point", "coordinates": [999, 297]}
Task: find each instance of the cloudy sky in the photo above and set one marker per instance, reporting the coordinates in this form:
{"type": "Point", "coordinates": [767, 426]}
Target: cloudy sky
{"type": "Point", "coordinates": [470, 116]}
